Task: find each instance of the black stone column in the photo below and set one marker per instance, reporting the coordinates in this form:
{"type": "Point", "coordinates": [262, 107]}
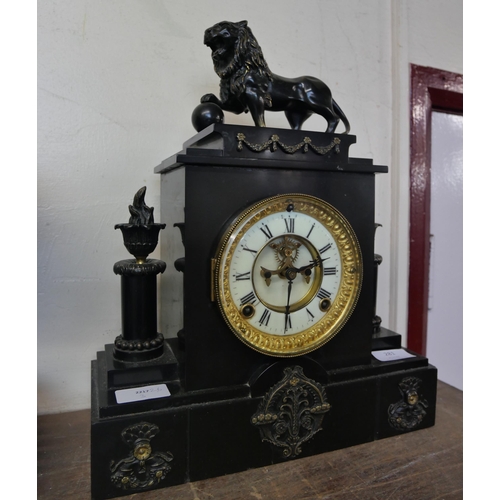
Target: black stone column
{"type": "Point", "coordinates": [139, 340]}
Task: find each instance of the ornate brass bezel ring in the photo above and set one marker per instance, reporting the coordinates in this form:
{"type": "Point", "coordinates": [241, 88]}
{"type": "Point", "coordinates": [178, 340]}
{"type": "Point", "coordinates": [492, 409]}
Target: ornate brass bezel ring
{"type": "Point", "coordinates": [342, 305]}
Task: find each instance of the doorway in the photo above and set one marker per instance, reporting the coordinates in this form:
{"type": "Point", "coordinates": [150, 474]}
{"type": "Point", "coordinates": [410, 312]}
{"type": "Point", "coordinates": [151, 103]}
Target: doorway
{"type": "Point", "coordinates": [431, 90]}
{"type": "Point", "coordinates": [445, 306]}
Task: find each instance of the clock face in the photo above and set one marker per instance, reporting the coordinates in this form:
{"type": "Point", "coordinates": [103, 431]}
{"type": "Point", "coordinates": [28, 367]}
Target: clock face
{"type": "Point", "coordinates": [288, 274]}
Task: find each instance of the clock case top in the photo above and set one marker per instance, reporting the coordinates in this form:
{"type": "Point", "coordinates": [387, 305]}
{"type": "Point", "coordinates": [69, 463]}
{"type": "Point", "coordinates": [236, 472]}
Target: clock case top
{"type": "Point", "coordinates": [220, 172]}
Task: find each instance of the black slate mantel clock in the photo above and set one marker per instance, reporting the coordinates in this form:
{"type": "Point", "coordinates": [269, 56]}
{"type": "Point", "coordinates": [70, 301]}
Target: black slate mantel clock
{"type": "Point", "coordinates": [230, 175]}
{"type": "Point", "coordinates": [274, 359]}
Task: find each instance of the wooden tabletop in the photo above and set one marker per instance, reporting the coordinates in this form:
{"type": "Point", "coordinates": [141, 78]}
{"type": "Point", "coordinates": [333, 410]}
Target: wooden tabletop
{"type": "Point", "coordinates": [425, 464]}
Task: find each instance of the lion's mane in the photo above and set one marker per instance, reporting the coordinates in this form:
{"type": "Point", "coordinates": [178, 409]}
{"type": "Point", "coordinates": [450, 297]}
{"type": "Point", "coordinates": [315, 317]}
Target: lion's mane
{"type": "Point", "coordinates": [247, 56]}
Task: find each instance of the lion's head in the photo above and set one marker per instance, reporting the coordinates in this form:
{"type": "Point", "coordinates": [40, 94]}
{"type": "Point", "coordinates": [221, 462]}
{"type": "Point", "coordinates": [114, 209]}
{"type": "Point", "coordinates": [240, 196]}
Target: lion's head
{"type": "Point", "coordinates": [234, 47]}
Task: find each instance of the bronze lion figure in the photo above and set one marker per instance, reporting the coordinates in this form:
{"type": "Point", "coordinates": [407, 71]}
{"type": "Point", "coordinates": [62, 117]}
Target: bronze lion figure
{"type": "Point", "coordinates": [247, 83]}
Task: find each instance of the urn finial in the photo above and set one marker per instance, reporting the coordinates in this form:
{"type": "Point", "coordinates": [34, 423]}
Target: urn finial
{"type": "Point", "coordinates": [140, 235]}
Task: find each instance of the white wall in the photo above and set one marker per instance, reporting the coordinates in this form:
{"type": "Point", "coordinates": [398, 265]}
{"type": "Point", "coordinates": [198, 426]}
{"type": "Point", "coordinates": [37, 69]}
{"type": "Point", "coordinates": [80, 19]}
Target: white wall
{"type": "Point", "coordinates": [427, 33]}
{"type": "Point", "coordinates": [117, 82]}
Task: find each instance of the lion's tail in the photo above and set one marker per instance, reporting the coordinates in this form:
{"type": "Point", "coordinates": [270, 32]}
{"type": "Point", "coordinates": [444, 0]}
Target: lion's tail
{"type": "Point", "coordinates": [342, 116]}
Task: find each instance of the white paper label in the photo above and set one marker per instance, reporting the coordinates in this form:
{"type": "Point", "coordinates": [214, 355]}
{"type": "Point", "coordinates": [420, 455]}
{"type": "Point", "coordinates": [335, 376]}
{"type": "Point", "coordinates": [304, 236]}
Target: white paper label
{"type": "Point", "coordinates": [142, 393]}
{"type": "Point", "coordinates": [392, 355]}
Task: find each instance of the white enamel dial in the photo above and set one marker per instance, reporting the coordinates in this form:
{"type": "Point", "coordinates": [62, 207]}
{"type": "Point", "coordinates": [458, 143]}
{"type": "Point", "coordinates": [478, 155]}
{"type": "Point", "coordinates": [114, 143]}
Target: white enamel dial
{"type": "Point", "coordinates": [282, 272]}
{"type": "Point", "coordinates": [282, 244]}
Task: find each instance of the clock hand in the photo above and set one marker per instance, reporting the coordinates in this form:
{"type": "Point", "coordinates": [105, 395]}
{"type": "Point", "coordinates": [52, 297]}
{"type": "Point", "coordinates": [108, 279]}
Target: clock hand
{"type": "Point", "coordinates": [267, 274]}
{"type": "Point", "coordinates": [304, 269]}
{"type": "Point", "coordinates": [291, 275]}
{"type": "Point", "coordinates": [314, 263]}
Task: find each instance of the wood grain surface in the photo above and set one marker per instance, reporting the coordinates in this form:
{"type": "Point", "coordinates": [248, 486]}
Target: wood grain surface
{"type": "Point", "coordinates": [426, 464]}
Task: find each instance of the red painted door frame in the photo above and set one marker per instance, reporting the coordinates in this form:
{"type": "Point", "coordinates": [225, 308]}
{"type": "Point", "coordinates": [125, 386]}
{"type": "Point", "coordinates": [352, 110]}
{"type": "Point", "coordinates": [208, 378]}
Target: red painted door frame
{"type": "Point", "coordinates": [431, 89]}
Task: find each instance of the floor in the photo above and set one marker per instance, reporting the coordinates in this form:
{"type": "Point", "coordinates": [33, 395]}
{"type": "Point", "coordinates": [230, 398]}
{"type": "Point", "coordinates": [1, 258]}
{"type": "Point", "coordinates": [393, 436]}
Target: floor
{"type": "Point", "coordinates": [421, 465]}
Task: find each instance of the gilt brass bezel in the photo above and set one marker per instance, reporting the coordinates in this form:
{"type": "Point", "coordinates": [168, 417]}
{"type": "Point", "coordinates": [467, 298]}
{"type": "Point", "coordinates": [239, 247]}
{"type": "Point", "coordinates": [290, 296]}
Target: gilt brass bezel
{"type": "Point", "coordinates": [342, 305]}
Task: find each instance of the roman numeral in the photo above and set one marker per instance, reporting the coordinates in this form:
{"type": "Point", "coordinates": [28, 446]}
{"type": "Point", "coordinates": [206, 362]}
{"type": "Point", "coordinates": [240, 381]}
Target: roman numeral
{"type": "Point", "coordinates": [266, 231]}
{"type": "Point", "coordinates": [253, 252]}
{"type": "Point", "coordinates": [290, 225]}
{"type": "Point", "coordinates": [310, 315]}
{"type": "Point", "coordinates": [249, 298]}
{"type": "Point", "coordinates": [325, 248]}
{"type": "Point", "coordinates": [310, 230]}
{"type": "Point", "coordinates": [324, 294]}
{"type": "Point", "coordinates": [288, 324]}
{"type": "Point", "coordinates": [242, 276]}
{"type": "Point", "coordinates": [330, 271]}
{"type": "Point", "coordinates": [264, 319]}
